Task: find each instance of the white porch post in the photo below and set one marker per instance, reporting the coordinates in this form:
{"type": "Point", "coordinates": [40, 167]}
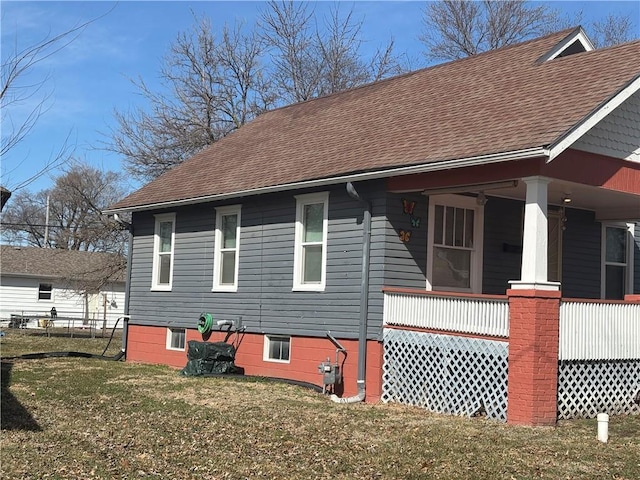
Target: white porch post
{"type": "Point", "coordinates": [535, 239]}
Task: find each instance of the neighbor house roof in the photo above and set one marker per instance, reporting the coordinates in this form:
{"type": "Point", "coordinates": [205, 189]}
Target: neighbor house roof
{"type": "Point", "coordinates": [55, 263]}
{"type": "Point", "coordinates": [506, 100]}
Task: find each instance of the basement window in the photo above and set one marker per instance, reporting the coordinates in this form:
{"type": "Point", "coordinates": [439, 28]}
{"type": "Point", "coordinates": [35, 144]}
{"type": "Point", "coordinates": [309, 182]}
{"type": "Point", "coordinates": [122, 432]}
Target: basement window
{"type": "Point", "coordinates": [176, 338]}
{"type": "Point", "coordinates": [45, 291]}
{"type": "Point", "coordinates": [276, 348]}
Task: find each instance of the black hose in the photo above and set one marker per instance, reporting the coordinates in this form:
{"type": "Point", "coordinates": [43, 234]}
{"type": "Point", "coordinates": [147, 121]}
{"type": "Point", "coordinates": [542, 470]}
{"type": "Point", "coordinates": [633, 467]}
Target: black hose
{"type": "Point", "coordinates": [238, 376]}
{"type": "Point", "coordinates": [113, 330]}
{"type": "Point", "coordinates": [36, 356]}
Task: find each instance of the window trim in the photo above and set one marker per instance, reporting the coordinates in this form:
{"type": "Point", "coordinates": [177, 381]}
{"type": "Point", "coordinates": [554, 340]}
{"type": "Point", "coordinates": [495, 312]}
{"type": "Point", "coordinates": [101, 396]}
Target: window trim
{"type": "Point", "coordinates": [40, 285]}
{"type": "Point", "coordinates": [630, 229]}
{"type": "Point", "coordinates": [170, 332]}
{"type": "Point", "coordinates": [165, 217]}
{"type": "Point", "coordinates": [476, 261]}
{"type": "Point", "coordinates": [267, 344]}
{"type": "Point", "coordinates": [298, 263]}
{"type": "Point", "coordinates": [217, 255]}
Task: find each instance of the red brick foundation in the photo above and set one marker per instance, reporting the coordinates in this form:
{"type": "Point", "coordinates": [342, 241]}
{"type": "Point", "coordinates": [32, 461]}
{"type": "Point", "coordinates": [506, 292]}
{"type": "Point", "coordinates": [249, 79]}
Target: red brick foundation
{"type": "Point", "coordinates": [534, 321]}
{"type": "Point", "coordinates": [148, 345]}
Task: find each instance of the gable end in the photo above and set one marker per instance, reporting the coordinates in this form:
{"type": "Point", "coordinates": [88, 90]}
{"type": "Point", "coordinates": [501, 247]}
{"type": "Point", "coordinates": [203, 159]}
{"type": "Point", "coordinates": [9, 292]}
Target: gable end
{"type": "Point", "coordinates": [618, 134]}
{"type": "Point", "coordinates": [576, 42]}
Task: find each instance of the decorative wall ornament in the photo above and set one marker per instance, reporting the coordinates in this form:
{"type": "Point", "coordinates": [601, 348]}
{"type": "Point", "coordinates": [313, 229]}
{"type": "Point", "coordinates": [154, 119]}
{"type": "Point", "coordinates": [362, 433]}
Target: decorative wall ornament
{"type": "Point", "coordinates": [408, 207]}
{"type": "Point", "coordinates": [405, 235]}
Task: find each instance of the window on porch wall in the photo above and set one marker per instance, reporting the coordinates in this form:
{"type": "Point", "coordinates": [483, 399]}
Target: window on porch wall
{"type": "Point", "coordinates": [617, 255]}
{"type": "Point", "coordinates": [554, 246]}
{"type": "Point", "coordinates": [454, 256]}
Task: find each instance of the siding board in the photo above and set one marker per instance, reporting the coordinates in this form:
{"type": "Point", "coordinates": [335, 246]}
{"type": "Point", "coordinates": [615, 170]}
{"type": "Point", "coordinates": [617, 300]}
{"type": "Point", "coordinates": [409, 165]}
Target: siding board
{"type": "Point", "coordinates": [264, 302]}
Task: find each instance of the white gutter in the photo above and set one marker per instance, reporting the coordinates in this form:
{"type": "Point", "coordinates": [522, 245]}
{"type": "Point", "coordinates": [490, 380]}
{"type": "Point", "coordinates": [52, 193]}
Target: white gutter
{"type": "Point", "coordinates": [592, 119]}
{"type": "Point", "coordinates": [356, 177]}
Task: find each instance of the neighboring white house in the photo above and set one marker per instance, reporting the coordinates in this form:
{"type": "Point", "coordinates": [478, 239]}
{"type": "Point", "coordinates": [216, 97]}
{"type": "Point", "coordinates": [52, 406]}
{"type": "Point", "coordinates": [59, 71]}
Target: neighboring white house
{"type": "Point", "coordinates": [88, 287]}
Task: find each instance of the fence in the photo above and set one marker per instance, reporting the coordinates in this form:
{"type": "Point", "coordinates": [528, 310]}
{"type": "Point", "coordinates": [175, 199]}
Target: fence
{"type": "Point", "coordinates": [446, 373]}
{"type": "Point", "coordinates": [481, 315]}
{"type": "Point", "coordinates": [62, 322]}
{"type": "Point", "coordinates": [599, 358]}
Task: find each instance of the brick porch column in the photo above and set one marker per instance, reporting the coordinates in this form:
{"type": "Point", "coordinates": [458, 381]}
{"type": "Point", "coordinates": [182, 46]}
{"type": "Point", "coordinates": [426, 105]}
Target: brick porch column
{"type": "Point", "coordinates": [534, 322]}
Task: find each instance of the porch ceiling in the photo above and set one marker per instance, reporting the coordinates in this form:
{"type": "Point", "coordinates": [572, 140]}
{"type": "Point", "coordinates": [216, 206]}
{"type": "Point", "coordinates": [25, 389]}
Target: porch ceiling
{"type": "Point", "coordinates": [608, 186]}
{"type": "Point", "coordinates": [608, 204]}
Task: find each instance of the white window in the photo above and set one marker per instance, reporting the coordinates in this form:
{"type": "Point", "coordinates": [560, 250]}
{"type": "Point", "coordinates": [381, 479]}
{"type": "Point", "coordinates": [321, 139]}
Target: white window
{"type": "Point", "coordinates": [454, 255]}
{"type": "Point", "coordinates": [276, 348]}
{"type": "Point", "coordinates": [45, 291]}
{"type": "Point", "coordinates": [227, 246]}
{"type": "Point", "coordinates": [617, 260]}
{"type": "Point", "coordinates": [163, 243]}
{"type": "Point", "coordinates": [176, 338]}
{"type": "Point", "coordinates": [310, 256]}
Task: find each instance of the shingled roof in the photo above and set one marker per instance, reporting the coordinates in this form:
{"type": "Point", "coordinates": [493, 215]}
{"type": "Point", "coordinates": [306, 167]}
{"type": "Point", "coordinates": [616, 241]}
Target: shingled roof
{"type": "Point", "coordinates": [55, 263]}
{"type": "Point", "coordinates": [505, 100]}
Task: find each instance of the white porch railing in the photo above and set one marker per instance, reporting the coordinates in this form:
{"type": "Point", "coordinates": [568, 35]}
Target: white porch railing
{"type": "Point", "coordinates": [592, 330]}
{"type": "Point", "coordinates": [482, 315]}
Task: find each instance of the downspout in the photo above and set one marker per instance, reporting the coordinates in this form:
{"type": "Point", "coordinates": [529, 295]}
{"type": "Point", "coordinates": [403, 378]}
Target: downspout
{"type": "Point", "coordinates": [364, 300]}
{"type": "Point", "coordinates": [127, 287]}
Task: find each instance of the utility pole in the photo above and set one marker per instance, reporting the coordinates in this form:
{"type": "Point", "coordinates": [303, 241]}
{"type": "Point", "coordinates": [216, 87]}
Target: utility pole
{"type": "Point", "coordinates": [46, 225]}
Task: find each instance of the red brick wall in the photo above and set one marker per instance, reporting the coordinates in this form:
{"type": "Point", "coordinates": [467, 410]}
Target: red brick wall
{"type": "Point", "coordinates": [533, 356]}
{"type": "Point", "coordinates": [148, 345]}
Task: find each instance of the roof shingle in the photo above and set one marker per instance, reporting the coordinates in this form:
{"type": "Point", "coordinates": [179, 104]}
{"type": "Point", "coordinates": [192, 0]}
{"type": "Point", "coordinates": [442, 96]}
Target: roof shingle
{"type": "Point", "coordinates": [497, 101]}
{"type": "Point", "coordinates": [61, 264]}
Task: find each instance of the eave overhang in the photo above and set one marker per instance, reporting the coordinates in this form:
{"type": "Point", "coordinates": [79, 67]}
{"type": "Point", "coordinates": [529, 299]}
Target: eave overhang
{"type": "Point", "coordinates": [536, 152]}
{"type": "Point", "coordinates": [581, 128]}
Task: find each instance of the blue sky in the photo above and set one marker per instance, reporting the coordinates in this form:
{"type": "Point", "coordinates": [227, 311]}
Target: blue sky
{"type": "Point", "coordinates": [90, 78]}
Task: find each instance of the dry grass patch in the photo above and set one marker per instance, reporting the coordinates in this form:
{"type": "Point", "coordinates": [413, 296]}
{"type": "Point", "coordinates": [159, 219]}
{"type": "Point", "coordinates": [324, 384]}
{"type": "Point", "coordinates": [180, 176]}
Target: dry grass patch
{"type": "Point", "coordinates": [85, 418]}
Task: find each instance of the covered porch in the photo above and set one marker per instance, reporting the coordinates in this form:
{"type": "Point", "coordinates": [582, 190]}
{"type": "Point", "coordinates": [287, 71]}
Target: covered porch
{"type": "Point", "coordinates": [568, 225]}
{"type": "Point", "coordinates": [519, 358]}
{"type": "Point", "coordinates": [544, 283]}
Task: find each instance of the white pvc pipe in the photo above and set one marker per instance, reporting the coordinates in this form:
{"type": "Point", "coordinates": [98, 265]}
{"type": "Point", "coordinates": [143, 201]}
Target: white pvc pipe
{"type": "Point", "coordinates": [603, 427]}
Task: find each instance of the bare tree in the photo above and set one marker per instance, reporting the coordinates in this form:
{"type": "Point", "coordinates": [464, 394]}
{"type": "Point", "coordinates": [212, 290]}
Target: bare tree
{"type": "Point", "coordinates": [457, 28]}
{"type": "Point", "coordinates": [288, 29]}
{"type": "Point", "coordinates": [210, 87]}
{"type": "Point", "coordinates": [73, 207]}
{"type": "Point", "coordinates": [341, 64]}
{"type": "Point", "coordinates": [312, 59]}
{"type": "Point", "coordinates": [611, 30]}
{"type": "Point", "coordinates": [18, 87]}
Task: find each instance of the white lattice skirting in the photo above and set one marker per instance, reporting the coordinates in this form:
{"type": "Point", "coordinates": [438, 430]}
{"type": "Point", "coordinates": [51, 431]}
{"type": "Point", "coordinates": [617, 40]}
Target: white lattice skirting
{"type": "Point", "coordinates": [586, 388]}
{"type": "Point", "coordinates": [445, 373]}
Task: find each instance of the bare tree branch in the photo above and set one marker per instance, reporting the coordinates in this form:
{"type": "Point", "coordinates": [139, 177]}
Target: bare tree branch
{"type": "Point", "coordinates": [287, 28]}
{"type": "Point", "coordinates": [212, 85]}
{"type": "Point", "coordinates": [17, 89]}
{"type": "Point", "coordinates": [611, 30]}
{"type": "Point", "coordinates": [456, 29]}
{"type": "Point", "coordinates": [75, 219]}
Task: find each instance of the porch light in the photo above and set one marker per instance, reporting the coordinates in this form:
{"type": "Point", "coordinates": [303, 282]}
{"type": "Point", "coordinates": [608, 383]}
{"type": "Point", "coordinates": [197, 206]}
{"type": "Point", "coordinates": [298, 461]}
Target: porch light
{"type": "Point", "coordinates": [566, 198]}
{"type": "Point", "coordinates": [481, 199]}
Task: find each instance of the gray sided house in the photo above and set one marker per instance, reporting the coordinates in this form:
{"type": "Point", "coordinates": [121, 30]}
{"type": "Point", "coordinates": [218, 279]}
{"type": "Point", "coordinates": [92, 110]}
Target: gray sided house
{"type": "Point", "coordinates": [82, 286]}
{"type": "Point", "coordinates": [408, 236]}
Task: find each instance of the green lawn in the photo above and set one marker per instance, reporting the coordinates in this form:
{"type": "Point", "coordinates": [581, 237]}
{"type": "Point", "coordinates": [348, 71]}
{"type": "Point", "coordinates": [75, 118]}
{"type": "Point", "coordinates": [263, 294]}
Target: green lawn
{"type": "Point", "coordinates": [79, 418]}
